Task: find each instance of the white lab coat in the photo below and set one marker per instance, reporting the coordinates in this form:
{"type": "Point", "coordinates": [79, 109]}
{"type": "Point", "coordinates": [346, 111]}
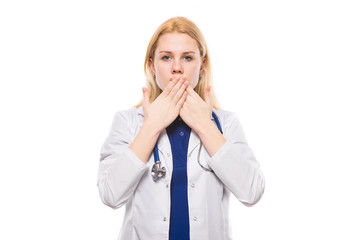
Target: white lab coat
{"type": "Point", "coordinates": [124, 179]}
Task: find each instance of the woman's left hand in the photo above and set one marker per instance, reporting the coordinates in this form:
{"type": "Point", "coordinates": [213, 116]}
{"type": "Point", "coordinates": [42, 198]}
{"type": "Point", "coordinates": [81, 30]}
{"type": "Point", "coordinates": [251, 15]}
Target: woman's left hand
{"type": "Point", "coordinates": [195, 112]}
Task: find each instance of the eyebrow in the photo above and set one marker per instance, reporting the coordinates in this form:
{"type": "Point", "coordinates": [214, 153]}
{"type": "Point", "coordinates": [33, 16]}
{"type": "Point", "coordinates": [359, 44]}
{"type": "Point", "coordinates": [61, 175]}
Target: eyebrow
{"type": "Point", "coordinates": [171, 52]}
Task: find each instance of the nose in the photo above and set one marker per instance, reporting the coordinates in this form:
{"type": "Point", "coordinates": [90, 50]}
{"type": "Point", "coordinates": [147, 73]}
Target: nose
{"type": "Point", "coordinates": [177, 67]}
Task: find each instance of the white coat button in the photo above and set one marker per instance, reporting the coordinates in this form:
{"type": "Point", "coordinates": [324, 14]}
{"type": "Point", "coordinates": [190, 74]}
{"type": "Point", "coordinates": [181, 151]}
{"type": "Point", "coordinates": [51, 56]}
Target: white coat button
{"type": "Point", "coordinates": [181, 134]}
{"type": "Point", "coordinates": [195, 218]}
{"type": "Point", "coordinates": [164, 219]}
{"type": "Point", "coordinates": [192, 185]}
{"type": "Point", "coordinates": [168, 154]}
{"type": "Point", "coordinates": [167, 185]}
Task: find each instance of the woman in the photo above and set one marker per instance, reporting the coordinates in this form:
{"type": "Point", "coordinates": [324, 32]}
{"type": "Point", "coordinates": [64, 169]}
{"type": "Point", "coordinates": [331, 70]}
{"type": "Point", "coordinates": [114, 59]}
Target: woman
{"type": "Point", "coordinates": [202, 150]}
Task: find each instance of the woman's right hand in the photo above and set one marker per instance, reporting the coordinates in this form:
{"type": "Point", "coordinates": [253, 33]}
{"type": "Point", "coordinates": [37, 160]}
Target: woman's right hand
{"type": "Point", "coordinates": [166, 107]}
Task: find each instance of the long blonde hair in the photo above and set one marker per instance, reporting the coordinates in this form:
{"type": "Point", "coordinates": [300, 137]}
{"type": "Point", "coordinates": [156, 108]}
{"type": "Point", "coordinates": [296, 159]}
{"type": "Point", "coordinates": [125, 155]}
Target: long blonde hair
{"type": "Point", "coordinates": [180, 25]}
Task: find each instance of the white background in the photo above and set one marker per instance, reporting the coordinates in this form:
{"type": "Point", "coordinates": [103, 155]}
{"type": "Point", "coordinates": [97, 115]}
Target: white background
{"type": "Point", "coordinates": [289, 69]}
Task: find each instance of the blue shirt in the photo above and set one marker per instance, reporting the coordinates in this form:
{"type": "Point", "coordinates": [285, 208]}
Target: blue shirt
{"type": "Point", "coordinates": [179, 134]}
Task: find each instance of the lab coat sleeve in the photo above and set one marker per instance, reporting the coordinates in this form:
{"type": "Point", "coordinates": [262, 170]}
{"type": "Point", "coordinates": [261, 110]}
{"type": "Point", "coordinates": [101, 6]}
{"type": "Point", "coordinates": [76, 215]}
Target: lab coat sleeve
{"type": "Point", "coordinates": [120, 170]}
{"type": "Point", "coordinates": [235, 164]}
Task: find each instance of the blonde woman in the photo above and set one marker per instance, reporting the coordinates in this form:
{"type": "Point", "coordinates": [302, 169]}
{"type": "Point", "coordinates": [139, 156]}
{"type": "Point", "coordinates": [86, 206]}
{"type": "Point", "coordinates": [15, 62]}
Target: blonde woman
{"type": "Point", "coordinates": [174, 159]}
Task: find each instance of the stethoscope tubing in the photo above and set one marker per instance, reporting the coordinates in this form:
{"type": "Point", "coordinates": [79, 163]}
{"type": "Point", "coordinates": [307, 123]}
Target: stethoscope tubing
{"type": "Point", "coordinates": [158, 172]}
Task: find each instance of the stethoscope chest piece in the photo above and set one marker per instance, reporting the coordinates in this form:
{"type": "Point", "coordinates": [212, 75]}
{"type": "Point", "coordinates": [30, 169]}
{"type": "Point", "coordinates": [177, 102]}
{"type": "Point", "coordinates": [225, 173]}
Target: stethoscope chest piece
{"type": "Point", "coordinates": [157, 171]}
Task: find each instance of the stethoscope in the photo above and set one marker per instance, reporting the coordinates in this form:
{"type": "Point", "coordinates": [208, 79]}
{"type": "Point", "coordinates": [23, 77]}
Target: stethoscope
{"type": "Point", "coordinates": [158, 172]}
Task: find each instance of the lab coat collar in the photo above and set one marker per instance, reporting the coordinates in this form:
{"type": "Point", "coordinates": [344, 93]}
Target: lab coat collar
{"type": "Point", "coordinates": [164, 142]}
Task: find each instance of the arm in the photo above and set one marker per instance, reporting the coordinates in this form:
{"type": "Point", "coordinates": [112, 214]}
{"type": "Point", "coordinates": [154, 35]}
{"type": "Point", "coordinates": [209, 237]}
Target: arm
{"type": "Point", "coordinates": [235, 163]}
{"type": "Point", "coordinates": [211, 137]}
{"type": "Point", "coordinates": [122, 166]}
{"type": "Point", "coordinates": [144, 142]}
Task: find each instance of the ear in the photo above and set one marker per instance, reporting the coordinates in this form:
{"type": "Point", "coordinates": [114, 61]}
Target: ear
{"type": "Point", "coordinates": [202, 68]}
{"type": "Point", "coordinates": [151, 65]}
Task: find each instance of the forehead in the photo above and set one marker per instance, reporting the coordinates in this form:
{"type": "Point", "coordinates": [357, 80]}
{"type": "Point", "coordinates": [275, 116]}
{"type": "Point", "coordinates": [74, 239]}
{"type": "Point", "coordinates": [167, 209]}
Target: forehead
{"type": "Point", "coordinates": [176, 42]}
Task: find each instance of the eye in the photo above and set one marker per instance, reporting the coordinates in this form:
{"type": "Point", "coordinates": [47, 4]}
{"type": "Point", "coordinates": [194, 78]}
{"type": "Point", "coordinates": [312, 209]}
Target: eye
{"type": "Point", "coordinates": [165, 58]}
{"type": "Point", "coordinates": [188, 58]}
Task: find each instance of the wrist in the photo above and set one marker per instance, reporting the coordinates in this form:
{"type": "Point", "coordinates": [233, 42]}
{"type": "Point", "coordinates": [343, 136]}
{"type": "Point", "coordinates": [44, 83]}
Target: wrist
{"type": "Point", "coordinates": [204, 126]}
{"type": "Point", "coordinates": [152, 127]}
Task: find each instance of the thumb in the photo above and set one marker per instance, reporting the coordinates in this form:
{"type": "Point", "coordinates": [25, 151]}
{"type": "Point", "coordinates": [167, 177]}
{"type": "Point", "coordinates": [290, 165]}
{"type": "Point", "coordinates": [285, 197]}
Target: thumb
{"type": "Point", "coordinates": [146, 96]}
{"type": "Point", "coordinates": [207, 96]}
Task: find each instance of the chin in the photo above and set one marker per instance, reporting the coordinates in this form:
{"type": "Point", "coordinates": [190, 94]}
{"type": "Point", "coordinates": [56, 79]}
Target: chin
{"type": "Point", "coordinates": [193, 85]}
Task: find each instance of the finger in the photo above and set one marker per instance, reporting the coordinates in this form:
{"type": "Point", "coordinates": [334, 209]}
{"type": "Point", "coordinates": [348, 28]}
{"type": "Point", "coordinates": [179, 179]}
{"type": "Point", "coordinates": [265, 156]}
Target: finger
{"type": "Point", "coordinates": [173, 81]}
{"type": "Point", "coordinates": [174, 77]}
{"type": "Point", "coordinates": [146, 97]}
{"type": "Point", "coordinates": [207, 96]}
{"type": "Point", "coordinates": [181, 102]}
{"type": "Point", "coordinates": [190, 90]}
{"type": "Point", "coordinates": [180, 92]}
{"type": "Point", "coordinates": [176, 88]}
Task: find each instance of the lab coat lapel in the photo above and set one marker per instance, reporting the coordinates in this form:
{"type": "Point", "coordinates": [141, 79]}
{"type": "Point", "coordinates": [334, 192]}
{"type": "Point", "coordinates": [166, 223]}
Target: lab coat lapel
{"type": "Point", "coordinates": [194, 140]}
{"type": "Point", "coordinates": [165, 147]}
{"type": "Point", "coordinates": [165, 150]}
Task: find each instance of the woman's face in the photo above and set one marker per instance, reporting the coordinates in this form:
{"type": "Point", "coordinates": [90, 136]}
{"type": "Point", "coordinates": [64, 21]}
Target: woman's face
{"type": "Point", "coordinates": [177, 54]}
